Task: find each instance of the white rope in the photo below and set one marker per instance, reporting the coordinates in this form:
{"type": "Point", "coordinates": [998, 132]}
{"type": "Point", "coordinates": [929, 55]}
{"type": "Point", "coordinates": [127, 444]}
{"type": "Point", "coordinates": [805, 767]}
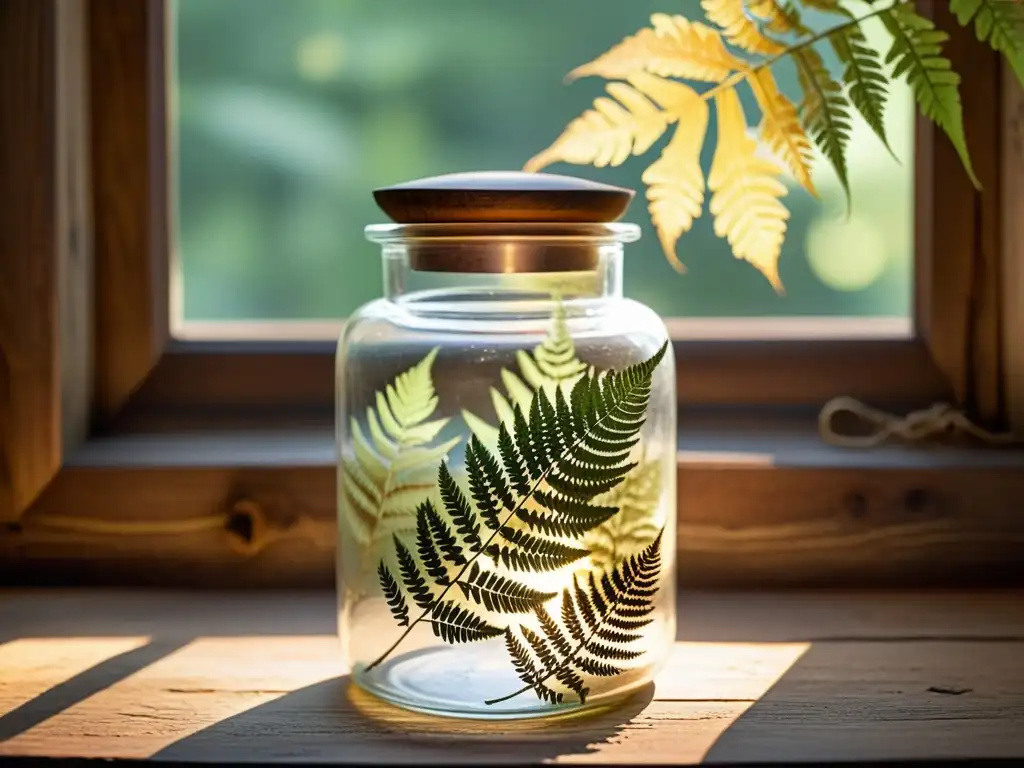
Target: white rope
{"type": "Point", "coordinates": [916, 426]}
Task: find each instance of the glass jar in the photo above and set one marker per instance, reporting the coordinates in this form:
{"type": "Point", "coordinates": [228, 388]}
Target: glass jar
{"type": "Point", "coordinates": [506, 442]}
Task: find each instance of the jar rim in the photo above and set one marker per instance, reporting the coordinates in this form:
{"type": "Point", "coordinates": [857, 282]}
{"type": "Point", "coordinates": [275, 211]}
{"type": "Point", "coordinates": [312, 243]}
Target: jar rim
{"type": "Point", "coordinates": [478, 232]}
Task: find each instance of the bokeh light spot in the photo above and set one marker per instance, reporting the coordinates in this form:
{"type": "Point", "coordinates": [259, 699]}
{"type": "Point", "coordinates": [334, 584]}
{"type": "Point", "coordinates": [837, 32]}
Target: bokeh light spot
{"type": "Point", "coordinates": [846, 254]}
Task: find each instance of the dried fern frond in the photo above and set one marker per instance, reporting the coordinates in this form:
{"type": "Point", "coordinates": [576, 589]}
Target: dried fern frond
{"type": "Point", "coordinates": [672, 46]}
{"type": "Point", "coordinates": [392, 468]}
{"type": "Point", "coordinates": [746, 192]}
{"type": "Point", "coordinates": [781, 129]}
{"type": "Point", "coordinates": [738, 26]}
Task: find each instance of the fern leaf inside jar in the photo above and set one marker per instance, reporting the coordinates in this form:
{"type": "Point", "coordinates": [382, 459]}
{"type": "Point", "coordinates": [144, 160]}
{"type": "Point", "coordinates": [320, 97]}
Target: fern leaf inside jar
{"type": "Point", "coordinates": [506, 455]}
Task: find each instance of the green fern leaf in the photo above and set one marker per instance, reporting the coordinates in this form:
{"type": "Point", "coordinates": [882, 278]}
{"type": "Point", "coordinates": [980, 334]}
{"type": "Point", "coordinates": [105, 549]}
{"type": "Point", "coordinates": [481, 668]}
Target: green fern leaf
{"type": "Point", "coordinates": [458, 510]}
{"type": "Point", "coordinates": [916, 52]}
{"type": "Point", "coordinates": [825, 112]}
{"type": "Point", "coordinates": [455, 624]}
{"type": "Point", "coordinates": [413, 582]}
{"type": "Point", "coordinates": [498, 593]}
{"type": "Point", "coordinates": [391, 469]}
{"type": "Point", "coordinates": [526, 552]}
{"type": "Point", "coordinates": [565, 450]}
{"type": "Point", "coordinates": [429, 555]}
{"type": "Point", "coordinates": [393, 596]}
{"type": "Point", "coordinates": [1000, 23]}
{"type": "Point", "coordinates": [589, 643]}
{"type": "Point", "coordinates": [865, 77]}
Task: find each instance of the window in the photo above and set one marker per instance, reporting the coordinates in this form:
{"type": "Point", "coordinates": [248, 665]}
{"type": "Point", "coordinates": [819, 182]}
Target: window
{"type": "Point", "coordinates": [205, 457]}
{"type": "Point", "coordinates": [280, 141]}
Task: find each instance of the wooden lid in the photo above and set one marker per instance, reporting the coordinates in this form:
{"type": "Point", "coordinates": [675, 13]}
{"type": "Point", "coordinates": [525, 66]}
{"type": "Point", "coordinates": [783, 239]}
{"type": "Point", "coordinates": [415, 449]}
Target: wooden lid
{"type": "Point", "coordinates": [503, 197]}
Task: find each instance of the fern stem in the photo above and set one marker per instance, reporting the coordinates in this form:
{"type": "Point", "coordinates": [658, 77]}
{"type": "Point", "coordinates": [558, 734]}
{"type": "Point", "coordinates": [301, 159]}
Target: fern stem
{"type": "Point", "coordinates": [745, 74]}
{"type": "Point", "coordinates": [486, 543]}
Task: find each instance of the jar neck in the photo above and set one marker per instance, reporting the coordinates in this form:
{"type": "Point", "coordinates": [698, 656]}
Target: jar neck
{"type": "Point", "coordinates": [421, 287]}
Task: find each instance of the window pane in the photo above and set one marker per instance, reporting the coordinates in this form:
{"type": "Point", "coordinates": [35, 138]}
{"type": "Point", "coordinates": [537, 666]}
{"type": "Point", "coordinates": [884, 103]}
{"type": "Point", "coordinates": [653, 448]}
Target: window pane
{"type": "Point", "coordinates": [288, 114]}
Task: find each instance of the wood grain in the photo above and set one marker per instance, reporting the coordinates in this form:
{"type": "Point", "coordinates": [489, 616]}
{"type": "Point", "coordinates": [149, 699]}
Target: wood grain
{"type": "Point", "coordinates": [29, 376]}
{"type": "Point", "coordinates": [1013, 247]}
{"type": "Point", "coordinates": [752, 678]}
{"type": "Point", "coordinates": [753, 510]}
{"type": "Point", "coordinates": [45, 244]}
{"type": "Point", "coordinates": [127, 83]}
{"type": "Point", "coordinates": [961, 320]}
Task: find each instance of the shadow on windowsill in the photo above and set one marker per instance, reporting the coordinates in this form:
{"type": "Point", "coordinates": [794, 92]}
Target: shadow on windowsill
{"type": "Point", "coordinates": [328, 722]}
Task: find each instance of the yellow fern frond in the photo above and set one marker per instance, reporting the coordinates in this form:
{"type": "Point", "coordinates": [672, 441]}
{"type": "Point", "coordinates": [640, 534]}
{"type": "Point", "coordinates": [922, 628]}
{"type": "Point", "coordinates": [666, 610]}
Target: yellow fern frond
{"type": "Point", "coordinates": [739, 28]}
{"type": "Point", "coordinates": [674, 47]}
{"type": "Point", "coordinates": [745, 192]}
{"type": "Point", "coordinates": [675, 182]}
{"type": "Point", "coordinates": [781, 129]}
{"type": "Point", "coordinates": [609, 133]}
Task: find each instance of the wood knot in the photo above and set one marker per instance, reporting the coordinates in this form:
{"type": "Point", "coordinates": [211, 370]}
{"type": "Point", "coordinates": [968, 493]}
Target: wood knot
{"type": "Point", "coordinates": [855, 504]}
{"type": "Point", "coordinates": [247, 528]}
{"type": "Point", "coordinates": [918, 500]}
{"type": "Point", "coordinates": [250, 528]}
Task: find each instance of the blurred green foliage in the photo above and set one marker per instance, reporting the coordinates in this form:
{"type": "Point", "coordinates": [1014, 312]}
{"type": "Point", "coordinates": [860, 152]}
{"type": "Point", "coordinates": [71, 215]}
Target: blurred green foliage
{"type": "Point", "coordinates": [289, 112]}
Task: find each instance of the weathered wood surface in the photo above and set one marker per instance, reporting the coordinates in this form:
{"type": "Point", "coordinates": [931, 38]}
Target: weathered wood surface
{"type": "Point", "coordinates": [761, 504]}
{"type": "Point", "coordinates": [752, 678]}
{"type": "Point", "coordinates": [44, 245]}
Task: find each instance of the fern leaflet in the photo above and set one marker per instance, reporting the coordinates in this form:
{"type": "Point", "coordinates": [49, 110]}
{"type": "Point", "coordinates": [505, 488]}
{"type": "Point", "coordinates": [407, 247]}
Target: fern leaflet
{"type": "Point", "coordinates": [745, 192]}
{"type": "Point", "coordinates": [916, 52]}
{"type": "Point", "coordinates": [672, 46]}
{"type": "Point", "coordinates": [627, 124]}
{"type": "Point", "coordinates": [1000, 23]}
{"type": "Point", "coordinates": [675, 182]}
{"type": "Point", "coordinates": [589, 638]}
{"type": "Point", "coordinates": [825, 111]}
{"type": "Point", "coordinates": [739, 28]}
{"type": "Point", "coordinates": [781, 129]}
{"type": "Point", "coordinates": [865, 77]}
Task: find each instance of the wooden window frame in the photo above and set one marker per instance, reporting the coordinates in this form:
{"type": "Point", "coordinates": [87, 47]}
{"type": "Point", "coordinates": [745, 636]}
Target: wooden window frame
{"type": "Point", "coordinates": [99, 453]}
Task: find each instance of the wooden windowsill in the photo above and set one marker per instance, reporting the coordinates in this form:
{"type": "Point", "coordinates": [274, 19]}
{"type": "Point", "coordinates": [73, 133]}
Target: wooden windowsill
{"type": "Point", "coordinates": [253, 678]}
{"type": "Point", "coordinates": [761, 503]}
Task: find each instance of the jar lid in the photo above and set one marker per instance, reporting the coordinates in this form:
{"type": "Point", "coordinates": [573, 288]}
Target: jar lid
{"type": "Point", "coordinates": [503, 197]}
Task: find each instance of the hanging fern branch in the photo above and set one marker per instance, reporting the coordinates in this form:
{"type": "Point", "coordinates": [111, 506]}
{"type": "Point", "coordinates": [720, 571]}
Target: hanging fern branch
{"type": "Point", "coordinates": [578, 448]}
{"type": "Point", "coordinates": [601, 620]}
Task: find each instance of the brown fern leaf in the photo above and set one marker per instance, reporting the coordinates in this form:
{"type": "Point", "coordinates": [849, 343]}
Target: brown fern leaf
{"type": "Point", "coordinates": [739, 28]}
{"type": "Point", "coordinates": [672, 47]}
{"type": "Point", "coordinates": [745, 192]}
{"type": "Point", "coordinates": [609, 133]}
{"type": "Point", "coordinates": [781, 128]}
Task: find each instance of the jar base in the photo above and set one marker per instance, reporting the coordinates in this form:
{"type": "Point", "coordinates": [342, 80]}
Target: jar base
{"type": "Point", "coordinates": [457, 681]}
